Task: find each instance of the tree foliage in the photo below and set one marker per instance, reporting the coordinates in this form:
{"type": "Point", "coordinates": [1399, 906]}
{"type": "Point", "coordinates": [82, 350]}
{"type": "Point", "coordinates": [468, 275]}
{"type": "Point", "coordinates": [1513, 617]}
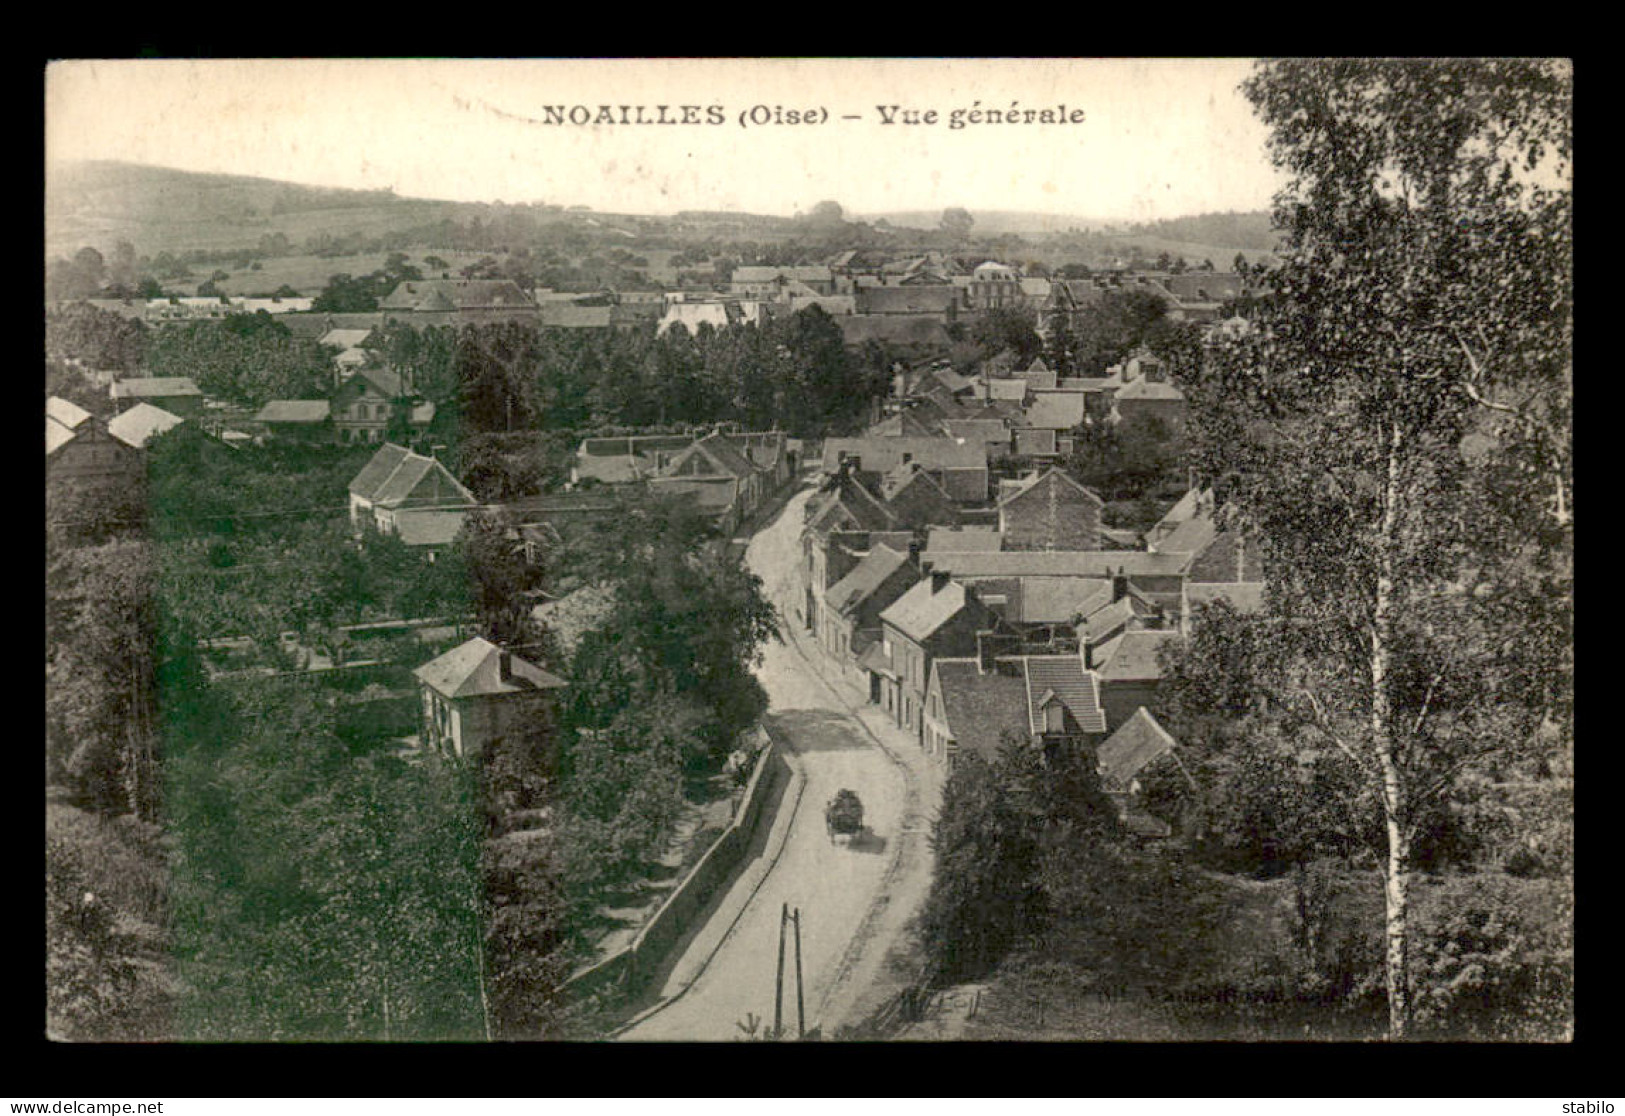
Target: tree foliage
{"type": "Point", "coordinates": [1396, 429]}
{"type": "Point", "coordinates": [1000, 818]}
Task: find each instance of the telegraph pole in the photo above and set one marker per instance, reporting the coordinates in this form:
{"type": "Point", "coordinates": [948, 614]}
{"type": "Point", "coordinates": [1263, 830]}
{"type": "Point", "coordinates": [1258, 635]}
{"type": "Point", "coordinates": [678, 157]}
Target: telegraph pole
{"type": "Point", "coordinates": [801, 1013]}
{"type": "Point", "coordinates": [778, 987]}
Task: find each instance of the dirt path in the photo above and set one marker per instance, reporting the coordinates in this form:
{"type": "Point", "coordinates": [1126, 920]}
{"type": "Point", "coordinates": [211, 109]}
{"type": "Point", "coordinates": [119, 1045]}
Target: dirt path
{"type": "Point", "coordinates": [844, 891]}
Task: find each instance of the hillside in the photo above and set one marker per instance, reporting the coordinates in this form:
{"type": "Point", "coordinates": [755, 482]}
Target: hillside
{"type": "Point", "coordinates": [990, 222]}
{"type": "Point", "coordinates": [160, 209]}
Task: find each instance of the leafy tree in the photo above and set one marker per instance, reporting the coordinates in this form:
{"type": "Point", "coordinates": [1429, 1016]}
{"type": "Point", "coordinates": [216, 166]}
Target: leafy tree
{"type": "Point", "coordinates": [346, 295]}
{"type": "Point", "coordinates": [1112, 327]}
{"type": "Point", "coordinates": [318, 894]}
{"type": "Point", "coordinates": [101, 714]}
{"type": "Point", "coordinates": [957, 222]}
{"type": "Point", "coordinates": [498, 577]}
{"type": "Point", "coordinates": [999, 820]}
{"type": "Point", "coordinates": [90, 974]}
{"type": "Point", "coordinates": [1397, 428]}
{"type": "Point", "coordinates": [94, 337]}
{"type": "Point", "coordinates": [248, 358]}
{"type": "Point", "coordinates": [827, 213]}
{"type": "Point", "coordinates": [1001, 329]}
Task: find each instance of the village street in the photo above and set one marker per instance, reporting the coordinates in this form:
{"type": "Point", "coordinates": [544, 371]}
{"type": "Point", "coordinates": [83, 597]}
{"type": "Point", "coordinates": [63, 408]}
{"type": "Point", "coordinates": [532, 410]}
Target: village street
{"type": "Point", "coordinates": [854, 898]}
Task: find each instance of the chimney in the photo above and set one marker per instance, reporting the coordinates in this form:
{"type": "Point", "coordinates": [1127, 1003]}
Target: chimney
{"type": "Point", "coordinates": [914, 554]}
{"type": "Point", "coordinates": [1119, 585]}
{"type": "Point", "coordinates": [986, 648]}
{"type": "Point", "coordinates": [504, 663]}
{"type": "Point", "coordinates": [939, 581]}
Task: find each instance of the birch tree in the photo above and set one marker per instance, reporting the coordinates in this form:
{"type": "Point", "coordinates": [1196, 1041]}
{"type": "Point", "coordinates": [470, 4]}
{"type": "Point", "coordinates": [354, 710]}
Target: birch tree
{"type": "Point", "coordinates": [1397, 425]}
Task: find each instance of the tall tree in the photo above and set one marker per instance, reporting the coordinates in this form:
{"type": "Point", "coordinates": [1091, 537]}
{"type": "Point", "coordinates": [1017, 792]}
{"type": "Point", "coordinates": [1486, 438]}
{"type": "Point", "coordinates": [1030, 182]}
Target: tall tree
{"type": "Point", "coordinates": [1398, 426]}
{"type": "Point", "coordinates": [957, 222]}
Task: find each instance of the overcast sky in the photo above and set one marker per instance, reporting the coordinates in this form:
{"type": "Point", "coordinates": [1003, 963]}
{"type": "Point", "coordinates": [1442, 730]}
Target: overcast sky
{"type": "Point", "coordinates": [1157, 138]}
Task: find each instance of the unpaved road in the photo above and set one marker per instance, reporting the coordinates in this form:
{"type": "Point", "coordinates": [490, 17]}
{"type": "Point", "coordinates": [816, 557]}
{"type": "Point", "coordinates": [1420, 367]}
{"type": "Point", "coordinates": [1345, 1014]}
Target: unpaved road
{"type": "Point", "coordinates": [834, 884]}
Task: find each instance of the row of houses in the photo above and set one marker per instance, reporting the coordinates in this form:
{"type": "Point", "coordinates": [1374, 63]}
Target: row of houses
{"type": "Point", "coordinates": [82, 448]}
{"type": "Point", "coordinates": [969, 609]}
{"type": "Point", "coordinates": [725, 476]}
{"type": "Point", "coordinates": [1028, 412]}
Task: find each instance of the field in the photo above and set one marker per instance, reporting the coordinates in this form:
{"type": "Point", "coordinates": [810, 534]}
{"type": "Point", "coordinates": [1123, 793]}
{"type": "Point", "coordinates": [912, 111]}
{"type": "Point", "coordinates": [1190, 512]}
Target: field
{"type": "Point", "coordinates": [309, 274]}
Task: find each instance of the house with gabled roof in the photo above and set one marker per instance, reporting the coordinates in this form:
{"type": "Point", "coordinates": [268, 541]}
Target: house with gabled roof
{"type": "Point", "coordinates": [397, 481]}
{"type": "Point", "coordinates": [1137, 745]}
{"type": "Point", "coordinates": [917, 499]}
{"type": "Point", "coordinates": [1034, 442]}
{"type": "Point", "coordinates": [717, 477]}
{"type": "Point", "coordinates": [1060, 411]}
{"type": "Point", "coordinates": [1130, 669]}
{"type": "Point", "coordinates": [943, 302]}
{"type": "Point", "coordinates": [366, 400]}
{"type": "Point", "coordinates": [1044, 610]}
{"type": "Point", "coordinates": [178, 395]}
{"type": "Point", "coordinates": [765, 280]}
{"type": "Point", "coordinates": [1001, 390]}
{"type": "Point", "coordinates": [1231, 556]}
{"type": "Point", "coordinates": [1063, 699]}
{"type": "Point", "coordinates": [970, 710]}
{"type": "Point", "coordinates": [973, 704]}
{"type": "Point", "coordinates": [1050, 511]}
{"type": "Point", "coordinates": [854, 603]}
{"type": "Point", "coordinates": [88, 453]}
{"type": "Point", "coordinates": [350, 344]}
{"type": "Point", "coordinates": [1151, 398]}
{"type": "Point", "coordinates": [993, 433]}
{"type": "Point", "coordinates": [904, 424]}
{"type": "Point", "coordinates": [458, 301]}
{"type": "Point", "coordinates": [142, 423]}
{"type": "Point", "coordinates": [1245, 597]}
{"type": "Point", "coordinates": [841, 507]}
{"type": "Point", "coordinates": [935, 618]}
{"type": "Point", "coordinates": [297, 420]}
{"type": "Point", "coordinates": [477, 693]}
{"type": "Point", "coordinates": [1039, 376]}
{"type": "Point", "coordinates": [963, 468]}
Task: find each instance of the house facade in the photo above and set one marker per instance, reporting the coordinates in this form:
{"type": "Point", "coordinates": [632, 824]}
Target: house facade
{"type": "Point", "coordinates": [1051, 512]}
{"type": "Point", "coordinates": [850, 616]}
{"type": "Point", "coordinates": [397, 485]}
{"type": "Point", "coordinates": [936, 618]}
{"type": "Point", "coordinates": [363, 405]}
{"type": "Point", "coordinates": [88, 453]}
{"type": "Point", "coordinates": [477, 693]}
{"type": "Point", "coordinates": [176, 394]}
{"type": "Point", "coordinates": [973, 704]}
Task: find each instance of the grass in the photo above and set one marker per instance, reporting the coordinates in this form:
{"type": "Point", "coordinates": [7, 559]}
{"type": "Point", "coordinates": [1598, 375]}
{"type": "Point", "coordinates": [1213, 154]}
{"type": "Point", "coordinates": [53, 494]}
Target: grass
{"type": "Point", "coordinates": [309, 274]}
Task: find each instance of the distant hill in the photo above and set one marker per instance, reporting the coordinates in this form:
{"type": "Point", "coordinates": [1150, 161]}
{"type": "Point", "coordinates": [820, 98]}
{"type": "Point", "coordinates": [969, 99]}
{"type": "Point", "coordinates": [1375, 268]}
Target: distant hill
{"type": "Point", "coordinates": [1229, 230]}
{"type": "Point", "coordinates": [162, 209]}
{"type": "Point", "coordinates": [159, 209]}
{"type": "Point", "coordinates": [989, 222]}
{"type": "Point", "coordinates": [1218, 236]}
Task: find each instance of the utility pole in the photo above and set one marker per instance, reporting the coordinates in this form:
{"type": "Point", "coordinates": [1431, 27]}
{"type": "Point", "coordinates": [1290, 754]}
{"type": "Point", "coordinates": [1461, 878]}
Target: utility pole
{"type": "Point", "coordinates": [778, 987]}
{"type": "Point", "coordinates": [801, 1013]}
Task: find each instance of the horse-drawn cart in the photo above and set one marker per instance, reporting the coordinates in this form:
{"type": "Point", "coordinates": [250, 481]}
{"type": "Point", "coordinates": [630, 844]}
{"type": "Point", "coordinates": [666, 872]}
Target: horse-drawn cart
{"type": "Point", "coordinates": [844, 815]}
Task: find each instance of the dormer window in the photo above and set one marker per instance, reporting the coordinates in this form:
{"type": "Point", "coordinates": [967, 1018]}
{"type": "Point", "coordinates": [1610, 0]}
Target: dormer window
{"type": "Point", "coordinates": [1055, 717]}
